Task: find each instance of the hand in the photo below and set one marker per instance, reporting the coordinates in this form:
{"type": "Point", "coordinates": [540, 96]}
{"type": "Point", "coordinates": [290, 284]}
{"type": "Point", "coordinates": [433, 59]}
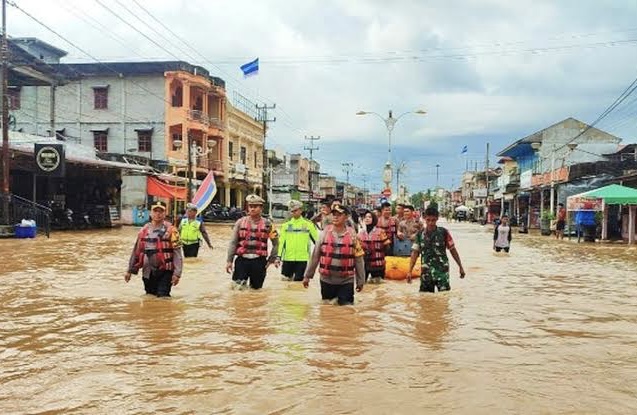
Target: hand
{"type": "Point", "coordinates": [229, 267]}
{"type": "Point", "coordinates": [409, 278]}
{"type": "Point", "coordinates": [127, 276]}
{"type": "Point", "coordinates": [401, 236]}
{"type": "Point", "coordinates": [175, 280]}
{"type": "Point", "coordinates": [359, 288]}
{"type": "Point", "coordinates": [462, 274]}
{"type": "Point", "coordinates": [306, 282]}
{"type": "Point", "coordinates": [277, 263]}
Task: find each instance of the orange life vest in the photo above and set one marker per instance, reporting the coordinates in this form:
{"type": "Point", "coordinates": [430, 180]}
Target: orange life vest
{"type": "Point", "coordinates": [164, 248]}
{"type": "Point", "coordinates": [342, 251]}
{"type": "Point", "coordinates": [374, 247]}
{"type": "Point", "coordinates": [253, 240]}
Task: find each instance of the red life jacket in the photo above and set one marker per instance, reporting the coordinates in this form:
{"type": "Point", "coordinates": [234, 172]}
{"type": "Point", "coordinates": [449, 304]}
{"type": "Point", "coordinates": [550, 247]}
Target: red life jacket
{"type": "Point", "coordinates": [342, 251]}
{"type": "Point", "coordinates": [389, 226]}
{"type": "Point", "coordinates": [374, 247]}
{"type": "Point", "coordinates": [253, 240]}
{"type": "Point", "coordinates": [164, 248]}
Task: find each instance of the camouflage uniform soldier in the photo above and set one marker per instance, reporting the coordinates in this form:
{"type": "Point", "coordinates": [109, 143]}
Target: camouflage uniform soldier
{"type": "Point", "coordinates": [432, 244]}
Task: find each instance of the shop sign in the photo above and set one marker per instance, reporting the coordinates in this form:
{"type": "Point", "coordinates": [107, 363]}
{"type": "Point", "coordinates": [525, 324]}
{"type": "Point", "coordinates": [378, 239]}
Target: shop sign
{"type": "Point", "coordinates": [49, 159]}
{"type": "Point", "coordinates": [580, 203]}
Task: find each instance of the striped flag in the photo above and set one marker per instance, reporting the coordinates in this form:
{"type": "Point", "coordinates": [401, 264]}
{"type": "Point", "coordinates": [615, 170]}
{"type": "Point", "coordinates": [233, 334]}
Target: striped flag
{"type": "Point", "coordinates": [464, 150]}
{"type": "Point", "coordinates": [250, 68]}
{"type": "Point", "coordinates": [206, 192]}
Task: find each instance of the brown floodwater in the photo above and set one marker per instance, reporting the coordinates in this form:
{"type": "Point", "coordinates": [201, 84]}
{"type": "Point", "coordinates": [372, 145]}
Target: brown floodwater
{"type": "Point", "coordinates": [549, 329]}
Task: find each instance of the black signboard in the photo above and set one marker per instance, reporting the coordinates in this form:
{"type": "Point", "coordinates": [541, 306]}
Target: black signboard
{"type": "Point", "coordinates": [49, 159]}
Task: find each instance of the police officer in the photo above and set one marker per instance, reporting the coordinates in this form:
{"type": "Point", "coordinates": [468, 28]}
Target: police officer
{"type": "Point", "coordinates": [294, 243]}
{"type": "Point", "coordinates": [249, 245]}
{"type": "Point", "coordinates": [157, 253]}
{"type": "Point", "coordinates": [191, 231]}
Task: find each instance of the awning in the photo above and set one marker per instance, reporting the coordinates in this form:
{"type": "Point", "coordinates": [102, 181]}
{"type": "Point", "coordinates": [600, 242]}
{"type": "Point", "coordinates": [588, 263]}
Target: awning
{"type": "Point", "coordinates": [156, 187]}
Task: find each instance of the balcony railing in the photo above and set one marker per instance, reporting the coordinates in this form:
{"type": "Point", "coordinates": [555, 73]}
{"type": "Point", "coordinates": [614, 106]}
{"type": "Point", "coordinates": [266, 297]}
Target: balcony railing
{"type": "Point", "coordinates": [202, 117]}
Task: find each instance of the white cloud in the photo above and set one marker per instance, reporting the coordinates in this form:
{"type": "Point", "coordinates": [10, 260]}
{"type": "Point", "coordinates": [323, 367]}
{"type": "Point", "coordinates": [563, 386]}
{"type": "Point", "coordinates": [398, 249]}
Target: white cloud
{"type": "Point", "coordinates": [466, 62]}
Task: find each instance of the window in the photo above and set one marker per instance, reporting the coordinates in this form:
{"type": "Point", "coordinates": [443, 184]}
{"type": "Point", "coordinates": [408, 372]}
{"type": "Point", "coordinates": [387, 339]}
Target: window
{"type": "Point", "coordinates": [243, 155]}
{"type": "Point", "coordinates": [100, 98]}
{"type": "Point", "coordinates": [14, 98]}
{"type": "Point", "coordinates": [176, 137]}
{"type": "Point", "coordinates": [178, 96]}
{"type": "Point", "coordinates": [255, 159]}
{"type": "Point", "coordinates": [230, 151]}
{"type": "Point", "coordinates": [144, 140]}
{"type": "Point", "coordinates": [100, 140]}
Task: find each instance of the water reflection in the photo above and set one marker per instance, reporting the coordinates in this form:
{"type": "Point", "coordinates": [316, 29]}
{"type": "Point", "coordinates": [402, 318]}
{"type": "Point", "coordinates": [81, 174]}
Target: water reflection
{"type": "Point", "coordinates": [432, 321]}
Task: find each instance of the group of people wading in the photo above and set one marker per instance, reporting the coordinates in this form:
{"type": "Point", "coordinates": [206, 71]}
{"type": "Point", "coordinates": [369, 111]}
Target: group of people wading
{"type": "Point", "coordinates": [347, 252]}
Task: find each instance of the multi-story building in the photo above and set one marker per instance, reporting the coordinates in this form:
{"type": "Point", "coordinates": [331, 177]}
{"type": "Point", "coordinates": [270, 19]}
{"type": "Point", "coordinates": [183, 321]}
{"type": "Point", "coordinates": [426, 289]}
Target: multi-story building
{"type": "Point", "coordinates": [158, 113]}
{"type": "Point", "coordinates": [327, 186]}
{"type": "Point", "coordinates": [244, 163]}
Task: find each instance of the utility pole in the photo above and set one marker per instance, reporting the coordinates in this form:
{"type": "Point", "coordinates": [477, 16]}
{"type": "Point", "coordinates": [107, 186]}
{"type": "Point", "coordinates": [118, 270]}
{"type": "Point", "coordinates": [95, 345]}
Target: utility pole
{"type": "Point", "coordinates": [5, 118]}
{"type": "Point", "coordinates": [311, 148]}
{"type": "Point", "coordinates": [189, 152]}
{"type": "Point", "coordinates": [365, 190]}
{"type": "Point", "coordinates": [347, 168]}
{"type": "Point", "coordinates": [486, 200]}
{"type": "Point", "coordinates": [262, 111]}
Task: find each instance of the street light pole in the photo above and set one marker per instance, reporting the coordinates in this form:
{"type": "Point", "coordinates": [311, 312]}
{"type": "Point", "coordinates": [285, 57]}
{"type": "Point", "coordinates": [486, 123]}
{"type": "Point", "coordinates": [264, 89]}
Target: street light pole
{"type": "Point", "coordinates": [437, 167]}
{"type": "Point", "coordinates": [389, 122]}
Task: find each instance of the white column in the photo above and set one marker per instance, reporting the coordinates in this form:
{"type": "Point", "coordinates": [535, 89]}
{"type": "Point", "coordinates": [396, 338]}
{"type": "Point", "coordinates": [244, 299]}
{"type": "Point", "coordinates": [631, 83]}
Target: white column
{"type": "Point", "coordinates": [632, 210]}
{"type": "Point", "coordinates": [605, 222]}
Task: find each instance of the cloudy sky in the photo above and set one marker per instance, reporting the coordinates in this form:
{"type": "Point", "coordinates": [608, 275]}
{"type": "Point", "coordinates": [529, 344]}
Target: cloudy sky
{"type": "Point", "coordinates": [484, 70]}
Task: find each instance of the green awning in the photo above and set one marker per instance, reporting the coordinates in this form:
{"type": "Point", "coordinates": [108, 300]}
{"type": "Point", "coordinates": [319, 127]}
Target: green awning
{"type": "Point", "coordinates": [613, 194]}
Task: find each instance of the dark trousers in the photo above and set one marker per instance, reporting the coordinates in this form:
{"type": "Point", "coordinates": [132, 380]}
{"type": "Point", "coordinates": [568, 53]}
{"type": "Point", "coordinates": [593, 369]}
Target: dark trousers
{"type": "Point", "coordinates": [159, 283]}
{"type": "Point", "coordinates": [191, 250]}
{"type": "Point", "coordinates": [498, 249]}
{"type": "Point", "coordinates": [294, 269]}
{"type": "Point", "coordinates": [343, 292]}
{"type": "Point", "coordinates": [374, 272]}
{"type": "Point", "coordinates": [250, 269]}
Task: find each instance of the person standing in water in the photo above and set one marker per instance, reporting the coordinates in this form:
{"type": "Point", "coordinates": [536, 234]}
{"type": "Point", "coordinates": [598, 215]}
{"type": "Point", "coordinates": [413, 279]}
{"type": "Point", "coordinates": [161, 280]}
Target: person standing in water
{"type": "Point", "coordinates": [340, 259]}
{"type": "Point", "coordinates": [157, 252]}
{"type": "Point", "coordinates": [502, 235]}
{"type": "Point", "coordinates": [432, 244]}
{"type": "Point", "coordinates": [295, 239]}
{"type": "Point", "coordinates": [375, 244]}
{"type": "Point", "coordinates": [249, 245]}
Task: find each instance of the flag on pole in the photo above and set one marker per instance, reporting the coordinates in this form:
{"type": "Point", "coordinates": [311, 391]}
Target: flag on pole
{"type": "Point", "coordinates": [464, 150]}
{"type": "Point", "coordinates": [206, 192]}
{"type": "Point", "coordinates": [250, 68]}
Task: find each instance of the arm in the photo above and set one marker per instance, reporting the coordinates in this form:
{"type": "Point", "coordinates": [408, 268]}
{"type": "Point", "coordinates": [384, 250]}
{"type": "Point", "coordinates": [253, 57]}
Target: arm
{"type": "Point", "coordinates": [314, 262]}
{"type": "Point", "coordinates": [282, 236]}
{"type": "Point", "coordinates": [232, 248]}
{"type": "Point", "coordinates": [412, 262]}
{"type": "Point", "coordinates": [313, 233]}
{"type": "Point", "coordinates": [359, 264]}
{"type": "Point", "coordinates": [495, 233]}
{"type": "Point", "coordinates": [204, 234]}
{"type": "Point", "coordinates": [456, 257]}
{"type": "Point", "coordinates": [510, 234]}
{"type": "Point", "coordinates": [274, 237]}
{"type": "Point", "coordinates": [133, 259]}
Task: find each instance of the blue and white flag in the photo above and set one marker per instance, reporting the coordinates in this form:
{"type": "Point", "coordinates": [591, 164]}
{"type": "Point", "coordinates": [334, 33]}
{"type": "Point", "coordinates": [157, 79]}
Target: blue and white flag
{"type": "Point", "coordinates": [464, 150]}
{"type": "Point", "coordinates": [250, 68]}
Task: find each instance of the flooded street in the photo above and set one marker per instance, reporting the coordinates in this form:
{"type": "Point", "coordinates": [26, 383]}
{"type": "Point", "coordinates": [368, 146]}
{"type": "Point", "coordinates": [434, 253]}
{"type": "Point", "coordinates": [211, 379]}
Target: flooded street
{"type": "Point", "coordinates": [550, 329]}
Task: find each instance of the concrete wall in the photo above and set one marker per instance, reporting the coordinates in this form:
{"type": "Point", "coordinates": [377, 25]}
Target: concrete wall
{"type": "Point", "coordinates": [133, 103]}
{"type": "Point", "coordinates": [133, 193]}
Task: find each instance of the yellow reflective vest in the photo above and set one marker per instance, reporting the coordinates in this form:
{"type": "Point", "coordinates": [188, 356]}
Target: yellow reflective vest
{"type": "Point", "coordinates": [189, 231]}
